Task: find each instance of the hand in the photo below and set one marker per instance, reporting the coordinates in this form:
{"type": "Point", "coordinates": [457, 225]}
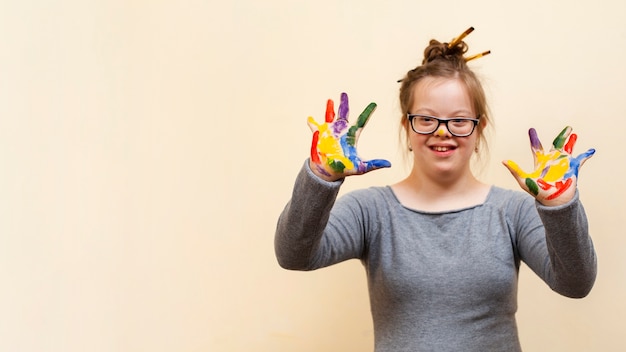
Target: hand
{"type": "Point", "coordinates": [554, 180]}
{"type": "Point", "coordinates": [333, 149]}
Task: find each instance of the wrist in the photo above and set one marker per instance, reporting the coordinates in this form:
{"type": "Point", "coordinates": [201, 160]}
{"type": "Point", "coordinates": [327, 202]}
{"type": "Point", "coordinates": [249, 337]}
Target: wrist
{"type": "Point", "coordinates": [554, 202]}
{"type": "Point", "coordinates": [322, 173]}
{"type": "Point", "coordinates": [559, 201]}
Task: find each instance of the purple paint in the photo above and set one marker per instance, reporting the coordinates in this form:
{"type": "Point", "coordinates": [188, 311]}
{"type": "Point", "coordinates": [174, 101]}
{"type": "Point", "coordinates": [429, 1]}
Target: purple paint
{"type": "Point", "coordinates": [340, 125]}
{"type": "Point", "coordinates": [344, 107]}
{"type": "Point", "coordinates": [534, 140]}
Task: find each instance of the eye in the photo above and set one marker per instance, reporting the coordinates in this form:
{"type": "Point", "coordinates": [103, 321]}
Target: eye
{"type": "Point", "coordinates": [425, 120]}
{"type": "Point", "coordinates": [460, 122]}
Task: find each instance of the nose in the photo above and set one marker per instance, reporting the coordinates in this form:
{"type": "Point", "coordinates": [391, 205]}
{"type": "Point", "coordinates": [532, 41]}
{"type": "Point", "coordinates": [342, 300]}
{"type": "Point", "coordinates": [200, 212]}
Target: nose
{"type": "Point", "coordinates": [442, 130]}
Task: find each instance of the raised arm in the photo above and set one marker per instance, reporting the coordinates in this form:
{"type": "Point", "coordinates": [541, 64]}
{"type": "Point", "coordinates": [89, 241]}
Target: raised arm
{"type": "Point", "coordinates": [304, 219]}
{"type": "Point", "coordinates": [561, 252]}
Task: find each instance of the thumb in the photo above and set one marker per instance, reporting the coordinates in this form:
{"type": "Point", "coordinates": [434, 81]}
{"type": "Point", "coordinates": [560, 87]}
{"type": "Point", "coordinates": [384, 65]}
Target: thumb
{"type": "Point", "coordinates": [375, 164]}
{"type": "Point", "coordinates": [313, 125]}
{"type": "Point", "coordinates": [585, 156]}
{"type": "Point", "coordinates": [513, 168]}
{"type": "Point", "coordinates": [577, 162]}
{"type": "Point", "coordinates": [525, 183]}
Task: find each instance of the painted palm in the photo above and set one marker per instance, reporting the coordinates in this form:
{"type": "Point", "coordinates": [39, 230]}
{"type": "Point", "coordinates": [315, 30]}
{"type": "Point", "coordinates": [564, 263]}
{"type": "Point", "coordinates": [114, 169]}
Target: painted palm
{"type": "Point", "coordinates": [556, 171]}
{"type": "Point", "coordinates": [333, 149]}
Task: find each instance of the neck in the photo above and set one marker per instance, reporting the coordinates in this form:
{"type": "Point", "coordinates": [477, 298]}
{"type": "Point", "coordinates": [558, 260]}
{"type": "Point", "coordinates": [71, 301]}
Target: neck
{"type": "Point", "coordinates": [419, 191]}
{"type": "Point", "coordinates": [442, 183]}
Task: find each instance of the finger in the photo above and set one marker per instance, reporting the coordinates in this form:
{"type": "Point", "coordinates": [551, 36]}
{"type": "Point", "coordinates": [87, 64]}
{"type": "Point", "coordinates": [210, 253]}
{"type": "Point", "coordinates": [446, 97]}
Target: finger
{"type": "Point", "coordinates": [354, 131]}
{"type": "Point", "coordinates": [315, 157]}
{"type": "Point", "coordinates": [586, 155]}
{"type": "Point", "coordinates": [522, 181]}
{"type": "Point", "coordinates": [313, 125]}
{"type": "Point", "coordinates": [577, 162]}
{"type": "Point", "coordinates": [330, 111]}
{"type": "Point", "coordinates": [340, 125]}
{"type": "Point", "coordinates": [569, 146]}
{"type": "Point", "coordinates": [559, 141]}
{"type": "Point", "coordinates": [535, 143]}
{"type": "Point", "coordinates": [375, 164]}
{"type": "Point", "coordinates": [365, 115]}
{"type": "Point", "coordinates": [344, 108]}
{"type": "Point", "coordinates": [514, 169]}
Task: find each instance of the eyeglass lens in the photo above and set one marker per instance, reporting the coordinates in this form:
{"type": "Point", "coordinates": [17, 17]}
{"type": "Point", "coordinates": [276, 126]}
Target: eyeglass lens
{"type": "Point", "coordinates": [428, 124]}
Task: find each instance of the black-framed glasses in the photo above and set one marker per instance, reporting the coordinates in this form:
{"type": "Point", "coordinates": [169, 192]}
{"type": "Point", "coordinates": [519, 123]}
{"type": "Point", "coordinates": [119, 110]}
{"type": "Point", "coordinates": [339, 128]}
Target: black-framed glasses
{"type": "Point", "coordinates": [457, 126]}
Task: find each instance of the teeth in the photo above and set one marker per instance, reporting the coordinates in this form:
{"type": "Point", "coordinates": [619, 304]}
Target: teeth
{"type": "Point", "coordinates": [441, 149]}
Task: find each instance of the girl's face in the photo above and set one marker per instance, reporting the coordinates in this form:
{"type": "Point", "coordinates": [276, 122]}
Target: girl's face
{"type": "Point", "coordinates": [440, 154]}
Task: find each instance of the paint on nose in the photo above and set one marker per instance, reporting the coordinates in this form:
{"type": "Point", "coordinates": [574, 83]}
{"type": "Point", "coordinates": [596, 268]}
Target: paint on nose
{"type": "Point", "coordinates": [441, 132]}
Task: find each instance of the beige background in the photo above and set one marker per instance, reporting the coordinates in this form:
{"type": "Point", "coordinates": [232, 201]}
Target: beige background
{"type": "Point", "coordinates": [147, 148]}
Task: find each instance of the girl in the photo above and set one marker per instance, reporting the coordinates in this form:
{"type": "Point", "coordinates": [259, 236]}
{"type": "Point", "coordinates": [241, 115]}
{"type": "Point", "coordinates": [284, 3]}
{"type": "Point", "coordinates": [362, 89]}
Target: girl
{"type": "Point", "coordinates": [441, 249]}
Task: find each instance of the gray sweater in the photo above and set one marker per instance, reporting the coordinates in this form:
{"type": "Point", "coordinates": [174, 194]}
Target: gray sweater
{"type": "Point", "coordinates": [438, 281]}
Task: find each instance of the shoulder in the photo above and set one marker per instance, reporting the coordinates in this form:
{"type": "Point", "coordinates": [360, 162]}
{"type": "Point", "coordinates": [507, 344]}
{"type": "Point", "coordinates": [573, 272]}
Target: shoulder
{"type": "Point", "coordinates": [369, 200]}
{"type": "Point", "coordinates": [513, 203]}
{"type": "Point", "coordinates": [499, 195]}
{"type": "Point", "coordinates": [367, 207]}
{"type": "Point", "coordinates": [371, 195]}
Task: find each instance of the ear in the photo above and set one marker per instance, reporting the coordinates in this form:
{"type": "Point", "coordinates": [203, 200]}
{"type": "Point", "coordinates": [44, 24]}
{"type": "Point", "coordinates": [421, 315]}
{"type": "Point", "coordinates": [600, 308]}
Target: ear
{"type": "Point", "coordinates": [404, 132]}
{"type": "Point", "coordinates": [405, 123]}
{"type": "Point", "coordinates": [482, 122]}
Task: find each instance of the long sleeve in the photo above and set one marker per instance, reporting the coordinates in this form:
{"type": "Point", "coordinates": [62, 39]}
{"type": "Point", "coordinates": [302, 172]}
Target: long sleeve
{"type": "Point", "coordinates": [570, 267]}
{"type": "Point", "coordinates": [440, 281]}
{"type": "Point", "coordinates": [301, 224]}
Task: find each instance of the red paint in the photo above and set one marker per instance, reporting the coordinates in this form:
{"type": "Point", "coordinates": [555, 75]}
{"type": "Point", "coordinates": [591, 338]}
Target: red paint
{"type": "Point", "coordinates": [330, 111]}
{"type": "Point", "coordinates": [543, 184]}
{"type": "Point", "coordinates": [560, 188]}
{"type": "Point", "coordinates": [569, 147]}
{"type": "Point", "coordinates": [314, 155]}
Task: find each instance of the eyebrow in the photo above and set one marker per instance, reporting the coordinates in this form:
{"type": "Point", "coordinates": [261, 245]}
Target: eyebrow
{"type": "Point", "coordinates": [457, 113]}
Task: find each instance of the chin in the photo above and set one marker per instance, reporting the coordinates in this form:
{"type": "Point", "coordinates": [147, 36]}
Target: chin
{"type": "Point", "coordinates": [448, 169]}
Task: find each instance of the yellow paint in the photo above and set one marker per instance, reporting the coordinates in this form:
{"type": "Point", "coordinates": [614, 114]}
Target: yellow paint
{"type": "Point", "coordinates": [556, 167]}
{"type": "Point", "coordinates": [557, 170]}
{"type": "Point", "coordinates": [328, 146]}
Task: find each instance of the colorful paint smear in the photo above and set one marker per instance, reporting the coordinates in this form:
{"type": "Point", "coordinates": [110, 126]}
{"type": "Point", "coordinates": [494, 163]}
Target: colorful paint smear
{"type": "Point", "coordinates": [333, 147]}
{"type": "Point", "coordinates": [555, 169]}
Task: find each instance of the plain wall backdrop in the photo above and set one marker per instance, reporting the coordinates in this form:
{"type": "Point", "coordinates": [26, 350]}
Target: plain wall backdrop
{"type": "Point", "coordinates": [148, 147]}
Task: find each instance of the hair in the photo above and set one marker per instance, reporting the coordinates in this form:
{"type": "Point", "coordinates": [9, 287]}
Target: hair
{"type": "Point", "coordinates": [441, 61]}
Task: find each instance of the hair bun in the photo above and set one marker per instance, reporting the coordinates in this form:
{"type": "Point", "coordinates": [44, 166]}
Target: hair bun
{"type": "Point", "coordinates": [449, 55]}
{"type": "Point", "coordinates": [437, 50]}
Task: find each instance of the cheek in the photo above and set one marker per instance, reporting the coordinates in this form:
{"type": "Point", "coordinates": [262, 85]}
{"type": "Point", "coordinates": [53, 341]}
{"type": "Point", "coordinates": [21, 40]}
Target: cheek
{"type": "Point", "coordinates": [416, 139]}
{"type": "Point", "coordinates": [470, 144]}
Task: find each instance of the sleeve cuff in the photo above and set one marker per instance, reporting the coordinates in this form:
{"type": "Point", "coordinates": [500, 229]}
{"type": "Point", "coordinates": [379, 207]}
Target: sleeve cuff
{"type": "Point", "coordinates": [319, 180]}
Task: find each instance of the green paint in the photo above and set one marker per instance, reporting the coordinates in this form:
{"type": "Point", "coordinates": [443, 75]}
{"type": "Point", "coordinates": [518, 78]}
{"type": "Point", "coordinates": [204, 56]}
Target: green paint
{"type": "Point", "coordinates": [365, 115]}
{"type": "Point", "coordinates": [338, 166]}
{"type": "Point", "coordinates": [532, 186]}
{"type": "Point", "coordinates": [351, 137]}
{"type": "Point", "coordinates": [360, 123]}
{"type": "Point", "coordinates": [559, 141]}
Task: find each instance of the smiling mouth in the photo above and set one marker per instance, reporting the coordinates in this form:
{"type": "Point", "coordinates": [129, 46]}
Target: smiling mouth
{"type": "Point", "coordinates": [442, 149]}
